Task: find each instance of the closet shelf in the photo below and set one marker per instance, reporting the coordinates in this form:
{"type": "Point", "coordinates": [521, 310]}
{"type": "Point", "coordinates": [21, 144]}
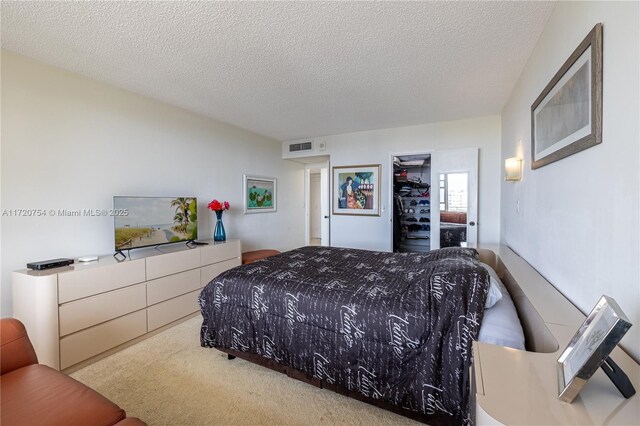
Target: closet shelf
{"type": "Point", "coordinates": [415, 185]}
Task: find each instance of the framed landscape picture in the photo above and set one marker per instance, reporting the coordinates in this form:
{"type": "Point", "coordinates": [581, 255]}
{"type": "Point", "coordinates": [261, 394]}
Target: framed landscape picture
{"type": "Point", "coordinates": [356, 190]}
{"type": "Point", "coordinates": [259, 194]}
{"type": "Point", "coordinates": [567, 116]}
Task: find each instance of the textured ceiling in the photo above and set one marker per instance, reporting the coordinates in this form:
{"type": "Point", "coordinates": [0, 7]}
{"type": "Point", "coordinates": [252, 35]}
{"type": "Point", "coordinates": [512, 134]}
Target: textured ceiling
{"type": "Point", "coordinates": [292, 70]}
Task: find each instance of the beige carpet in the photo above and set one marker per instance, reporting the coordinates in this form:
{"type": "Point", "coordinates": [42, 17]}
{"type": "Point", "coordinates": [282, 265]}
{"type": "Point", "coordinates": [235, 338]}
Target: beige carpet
{"type": "Point", "coordinates": [170, 380]}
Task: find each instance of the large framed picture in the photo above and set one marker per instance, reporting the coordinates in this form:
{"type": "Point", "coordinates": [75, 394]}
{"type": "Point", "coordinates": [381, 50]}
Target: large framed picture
{"type": "Point", "coordinates": [590, 347]}
{"type": "Point", "coordinates": [567, 116]}
{"type": "Point", "coordinates": [260, 194]}
{"type": "Point", "coordinates": [356, 190]}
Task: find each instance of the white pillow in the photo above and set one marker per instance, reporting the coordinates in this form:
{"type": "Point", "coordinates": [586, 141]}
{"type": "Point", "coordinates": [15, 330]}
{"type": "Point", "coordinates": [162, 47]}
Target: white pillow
{"type": "Point", "coordinates": [494, 294]}
{"type": "Point", "coordinates": [501, 325]}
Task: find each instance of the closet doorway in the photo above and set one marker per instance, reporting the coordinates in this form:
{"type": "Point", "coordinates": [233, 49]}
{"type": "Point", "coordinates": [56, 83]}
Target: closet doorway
{"type": "Point", "coordinates": [411, 203]}
{"type": "Point", "coordinates": [434, 200]}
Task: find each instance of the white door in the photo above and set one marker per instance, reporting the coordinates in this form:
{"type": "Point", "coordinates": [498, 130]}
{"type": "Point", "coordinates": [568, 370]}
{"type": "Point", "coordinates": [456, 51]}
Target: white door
{"type": "Point", "coordinates": [324, 205]}
{"type": "Point", "coordinates": [314, 206]}
{"type": "Point", "coordinates": [454, 196]}
{"type": "Point", "coordinates": [317, 201]}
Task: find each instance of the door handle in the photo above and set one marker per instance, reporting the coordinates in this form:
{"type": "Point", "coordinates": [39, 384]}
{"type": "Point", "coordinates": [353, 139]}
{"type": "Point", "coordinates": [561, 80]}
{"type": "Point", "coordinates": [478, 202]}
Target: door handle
{"type": "Point", "coordinates": [326, 217]}
{"type": "Point", "coordinates": [472, 223]}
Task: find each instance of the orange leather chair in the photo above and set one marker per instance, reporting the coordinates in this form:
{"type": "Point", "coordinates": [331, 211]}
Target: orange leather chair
{"type": "Point", "coordinates": [34, 394]}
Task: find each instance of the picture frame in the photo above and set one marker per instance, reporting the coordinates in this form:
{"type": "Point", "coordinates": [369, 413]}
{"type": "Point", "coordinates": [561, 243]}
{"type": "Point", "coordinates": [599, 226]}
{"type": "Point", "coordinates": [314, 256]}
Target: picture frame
{"type": "Point", "coordinates": [590, 347]}
{"type": "Point", "coordinates": [260, 194]}
{"type": "Point", "coordinates": [356, 190]}
{"type": "Point", "coordinates": [567, 116]}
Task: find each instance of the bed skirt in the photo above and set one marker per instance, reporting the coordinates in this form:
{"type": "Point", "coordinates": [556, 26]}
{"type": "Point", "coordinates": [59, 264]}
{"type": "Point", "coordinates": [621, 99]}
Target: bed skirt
{"type": "Point", "coordinates": [434, 420]}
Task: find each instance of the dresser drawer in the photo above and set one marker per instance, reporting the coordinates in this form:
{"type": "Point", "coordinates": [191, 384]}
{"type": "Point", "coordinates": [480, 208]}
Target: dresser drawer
{"type": "Point", "coordinates": [77, 284]}
{"type": "Point", "coordinates": [218, 252]}
{"type": "Point", "coordinates": [172, 263]}
{"type": "Point", "coordinates": [165, 312]}
{"type": "Point", "coordinates": [84, 344]}
{"type": "Point", "coordinates": [165, 288]}
{"type": "Point", "coordinates": [207, 273]}
{"type": "Point", "coordinates": [87, 312]}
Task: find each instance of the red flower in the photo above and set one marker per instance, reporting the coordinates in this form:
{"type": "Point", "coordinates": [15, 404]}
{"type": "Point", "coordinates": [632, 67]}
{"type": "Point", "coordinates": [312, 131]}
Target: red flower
{"type": "Point", "coordinates": [218, 206]}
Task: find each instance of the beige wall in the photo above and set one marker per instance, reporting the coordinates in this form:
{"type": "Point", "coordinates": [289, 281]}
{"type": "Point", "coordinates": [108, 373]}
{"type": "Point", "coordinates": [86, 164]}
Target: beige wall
{"type": "Point", "coordinates": [69, 142]}
{"type": "Point", "coordinates": [578, 222]}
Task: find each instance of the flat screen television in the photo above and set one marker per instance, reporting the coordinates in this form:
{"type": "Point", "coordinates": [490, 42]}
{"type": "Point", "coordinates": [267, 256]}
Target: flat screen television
{"type": "Point", "coordinates": [152, 221]}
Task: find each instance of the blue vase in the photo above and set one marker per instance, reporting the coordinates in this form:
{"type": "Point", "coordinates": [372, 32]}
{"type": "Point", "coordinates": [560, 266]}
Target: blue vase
{"type": "Point", "coordinates": [218, 233]}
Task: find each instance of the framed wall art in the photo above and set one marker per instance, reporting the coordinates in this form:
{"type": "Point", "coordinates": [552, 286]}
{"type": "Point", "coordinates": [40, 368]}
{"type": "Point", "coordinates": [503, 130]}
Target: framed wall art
{"type": "Point", "coordinates": [356, 190]}
{"type": "Point", "coordinates": [590, 348]}
{"type": "Point", "coordinates": [567, 116]}
{"type": "Point", "coordinates": [260, 194]}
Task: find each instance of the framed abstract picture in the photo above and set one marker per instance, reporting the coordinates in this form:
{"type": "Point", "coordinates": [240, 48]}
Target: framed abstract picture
{"type": "Point", "coordinates": [356, 190]}
{"type": "Point", "coordinates": [260, 194]}
{"type": "Point", "coordinates": [567, 116]}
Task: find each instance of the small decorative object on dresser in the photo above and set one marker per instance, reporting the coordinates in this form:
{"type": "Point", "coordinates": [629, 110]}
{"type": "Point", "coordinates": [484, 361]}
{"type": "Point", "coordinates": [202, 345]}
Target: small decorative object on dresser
{"type": "Point", "coordinates": [218, 207]}
{"type": "Point", "coordinates": [89, 258]}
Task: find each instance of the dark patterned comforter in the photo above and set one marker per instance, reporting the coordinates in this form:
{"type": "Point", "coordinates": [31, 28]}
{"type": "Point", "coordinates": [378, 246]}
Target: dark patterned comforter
{"type": "Point", "coordinates": [391, 326]}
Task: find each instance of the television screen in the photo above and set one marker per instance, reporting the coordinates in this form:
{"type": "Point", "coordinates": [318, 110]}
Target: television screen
{"type": "Point", "coordinates": [151, 221]}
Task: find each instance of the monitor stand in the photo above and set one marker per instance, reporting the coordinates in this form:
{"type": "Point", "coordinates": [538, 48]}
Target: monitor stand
{"type": "Point", "coordinates": [120, 253]}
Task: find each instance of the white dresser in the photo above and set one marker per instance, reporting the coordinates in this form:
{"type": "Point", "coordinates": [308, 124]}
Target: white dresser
{"type": "Point", "coordinates": [77, 314]}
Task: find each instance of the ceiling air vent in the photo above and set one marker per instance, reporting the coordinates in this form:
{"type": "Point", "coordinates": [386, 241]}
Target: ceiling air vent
{"type": "Point", "coordinates": [301, 146]}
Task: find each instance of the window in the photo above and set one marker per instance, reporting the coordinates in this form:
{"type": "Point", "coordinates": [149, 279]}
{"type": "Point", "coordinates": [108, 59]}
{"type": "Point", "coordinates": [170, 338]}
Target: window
{"type": "Point", "coordinates": [453, 192]}
{"type": "Point", "coordinates": [443, 193]}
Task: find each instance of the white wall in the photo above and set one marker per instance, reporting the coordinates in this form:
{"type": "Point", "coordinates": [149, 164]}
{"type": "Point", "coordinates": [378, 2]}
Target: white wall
{"type": "Point", "coordinates": [578, 223]}
{"type": "Point", "coordinates": [376, 146]}
{"type": "Point", "coordinates": [73, 143]}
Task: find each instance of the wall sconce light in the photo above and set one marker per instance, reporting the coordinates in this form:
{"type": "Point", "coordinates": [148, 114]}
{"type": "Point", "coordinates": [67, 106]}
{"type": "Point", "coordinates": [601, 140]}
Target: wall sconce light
{"type": "Point", "coordinates": [513, 169]}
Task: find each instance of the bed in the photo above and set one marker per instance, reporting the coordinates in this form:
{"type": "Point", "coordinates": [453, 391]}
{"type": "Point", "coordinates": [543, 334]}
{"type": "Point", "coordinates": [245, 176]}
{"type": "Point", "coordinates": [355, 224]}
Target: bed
{"type": "Point", "coordinates": [390, 328]}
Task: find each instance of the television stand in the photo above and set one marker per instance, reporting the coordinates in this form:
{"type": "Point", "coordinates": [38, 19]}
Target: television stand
{"type": "Point", "coordinates": [83, 312]}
